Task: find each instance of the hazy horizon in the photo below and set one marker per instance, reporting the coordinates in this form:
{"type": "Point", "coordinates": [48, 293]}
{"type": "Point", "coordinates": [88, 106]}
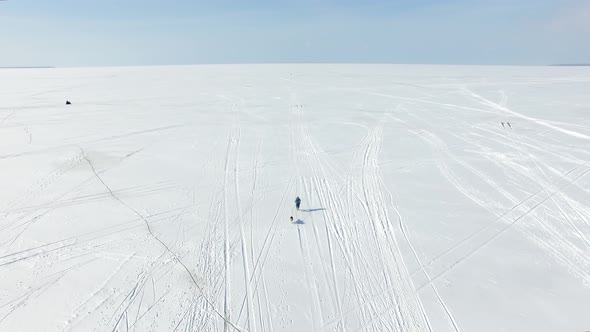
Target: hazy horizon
{"type": "Point", "coordinates": [67, 33]}
{"type": "Point", "coordinates": [301, 63]}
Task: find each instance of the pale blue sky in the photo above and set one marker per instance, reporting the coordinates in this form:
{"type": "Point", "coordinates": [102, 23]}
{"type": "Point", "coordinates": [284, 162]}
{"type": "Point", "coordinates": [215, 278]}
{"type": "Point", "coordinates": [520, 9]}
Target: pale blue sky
{"type": "Point", "coordinates": [150, 32]}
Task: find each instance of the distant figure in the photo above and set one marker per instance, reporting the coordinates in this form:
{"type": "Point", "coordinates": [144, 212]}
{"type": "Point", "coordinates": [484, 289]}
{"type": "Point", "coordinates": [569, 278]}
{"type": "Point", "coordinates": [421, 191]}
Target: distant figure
{"type": "Point", "coordinates": [297, 202]}
{"type": "Point", "coordinates": [68, 102]}
{"type": "Point", "coordinates": [503, 126]}
{"type": "Point", "coordinates": [291, 219]}
{"type": "Point", "coordinates": [509, 125]}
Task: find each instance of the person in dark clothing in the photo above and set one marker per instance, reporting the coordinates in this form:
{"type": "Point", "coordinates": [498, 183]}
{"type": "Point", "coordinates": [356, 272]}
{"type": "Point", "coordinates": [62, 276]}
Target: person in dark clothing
{"type": "Point", "coordinates": [297, 202]}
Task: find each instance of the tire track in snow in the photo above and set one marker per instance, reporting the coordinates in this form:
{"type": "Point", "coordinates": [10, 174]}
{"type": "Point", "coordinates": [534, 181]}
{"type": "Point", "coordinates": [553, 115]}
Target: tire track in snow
{"type": "Point", "coordinates": [309, 279]}
{"type": "Point", "coordinates": [375, 319]}
{"type": "Point", "coordinates": [404, 232]}
{"type": "Point", "coordinates": [540, 122]}
{"type": "Point", "coordinates": [226, 240]}
{"type": "Point", "coordinates": [245, 258]}
{"type": "Point", "coordinates": [225, 318]}
{"type": "Point", "coordinates": [263, 312]}
{"type": "Point", "coordinates": [546, 185]}
{"type": "Point", "coordinates": [257, 276]}
{"type": "Point", "coordinates": [500, 216]}
{"type": "Point", "coordinates": [409, 312]}
{"type": "Point", "coordinates": [497, 234]}
{"type": "Point", "coordinates": [7, 117]}
{"type": "Point", "coordinates": [253, 217]}
{"type": "Point", "coordinates": [307, 150]}
{"type": "Point", "coordinates": [335, 232]}
{"type": "Point", "coordinates": [297, 152]}
{"type": "Point", "coordinates": [401, 304]}
{"type": "Point", "coordinates": [308, 190]}
{"type": "Point", "coordinates": [528, 172]}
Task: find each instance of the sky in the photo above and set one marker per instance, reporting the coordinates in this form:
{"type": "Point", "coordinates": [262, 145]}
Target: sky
{"type": "Point", "coordinates": [148, 32]}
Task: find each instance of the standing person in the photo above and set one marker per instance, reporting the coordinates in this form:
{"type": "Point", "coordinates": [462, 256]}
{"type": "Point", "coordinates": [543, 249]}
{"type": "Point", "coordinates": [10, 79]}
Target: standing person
{"type": "Point", "coordinates": [297, 202]}
{"type": "Point", "coordinates": [291, 219]}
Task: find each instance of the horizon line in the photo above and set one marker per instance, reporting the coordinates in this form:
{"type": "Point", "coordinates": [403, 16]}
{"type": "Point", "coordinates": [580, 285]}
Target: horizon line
{"type": "Point", "coordinates": [297, 63]}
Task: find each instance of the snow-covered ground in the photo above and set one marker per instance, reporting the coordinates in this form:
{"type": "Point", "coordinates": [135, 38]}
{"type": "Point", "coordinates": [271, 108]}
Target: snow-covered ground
{"type": "Point", "coordinates": [160, 199]}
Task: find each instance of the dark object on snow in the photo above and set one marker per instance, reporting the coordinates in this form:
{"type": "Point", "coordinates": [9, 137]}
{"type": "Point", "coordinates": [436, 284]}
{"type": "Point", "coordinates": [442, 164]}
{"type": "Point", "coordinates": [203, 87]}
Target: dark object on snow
{"type": "Point", "coordinates": [297, 202]}
{"type": "Point", "coordinates": [503, 125]}
{"type": "Point", "coordinates": [291, 218]}
{"type": "Point", "coordinates": [68, 102]}
{"type": "Point", "coordinates": [508, 123]}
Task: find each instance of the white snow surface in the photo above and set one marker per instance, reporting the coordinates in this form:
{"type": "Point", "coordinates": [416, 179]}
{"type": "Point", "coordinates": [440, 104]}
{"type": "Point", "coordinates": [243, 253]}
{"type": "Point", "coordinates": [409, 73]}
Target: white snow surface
{"type": "Point", "coordinates": [160, 199]}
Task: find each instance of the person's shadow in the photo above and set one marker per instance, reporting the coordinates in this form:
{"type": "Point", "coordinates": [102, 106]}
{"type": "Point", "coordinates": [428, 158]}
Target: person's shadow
{"type": "Point", "coordinates": [313, 210]}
